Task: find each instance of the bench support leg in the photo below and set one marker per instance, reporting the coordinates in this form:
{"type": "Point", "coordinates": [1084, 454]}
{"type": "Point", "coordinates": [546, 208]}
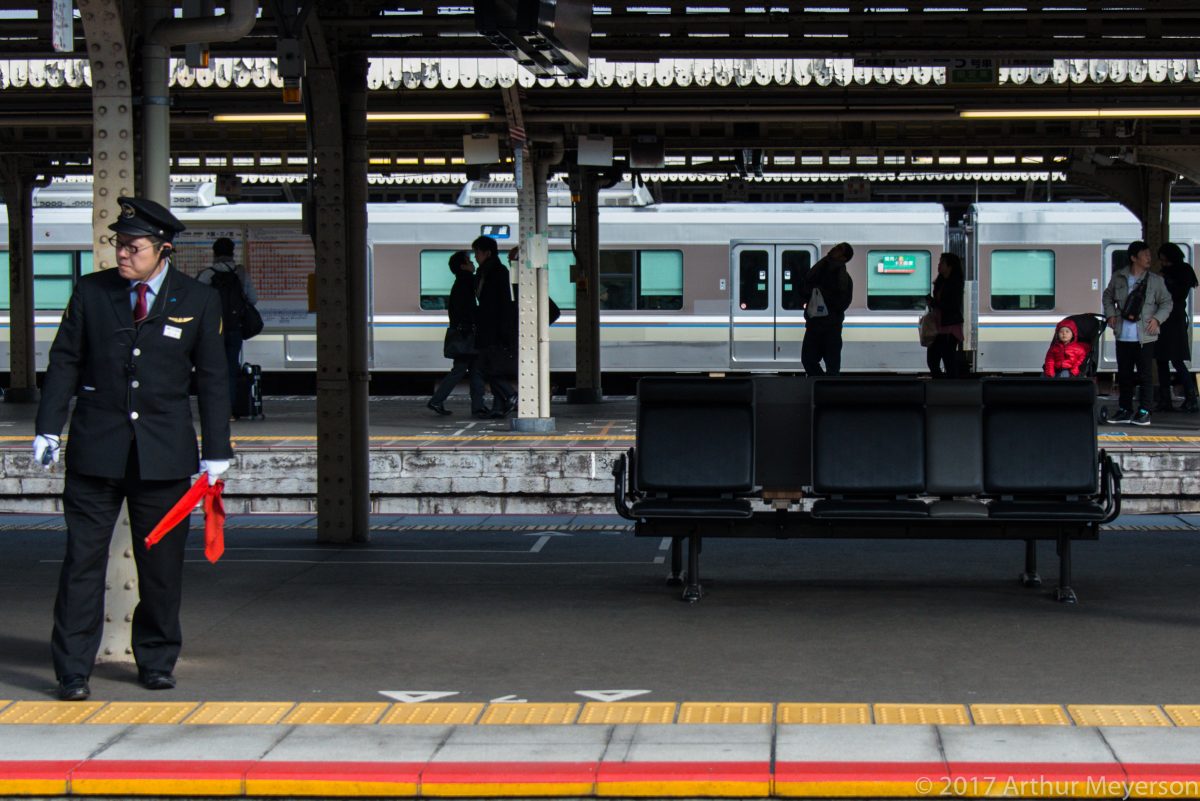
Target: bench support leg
{"type": "Point", "coordinates": [1064, 593]}
{"type": "Point", "coordinates": [692, 592]}
{"type": "Point", "coordinates": [675, 579]}
{"type": "Point", "coordinates": [1030, 577]}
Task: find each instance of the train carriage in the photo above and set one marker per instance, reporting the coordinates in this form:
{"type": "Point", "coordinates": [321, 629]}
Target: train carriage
{"type": "Point", "coordinates": [683, 287]}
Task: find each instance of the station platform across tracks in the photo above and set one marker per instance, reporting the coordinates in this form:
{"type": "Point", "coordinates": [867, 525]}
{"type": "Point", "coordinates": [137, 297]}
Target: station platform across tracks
{"type": "Point", "coordinates": [424, 463]}
{"type": "Point", "coordinates": [543, 656]}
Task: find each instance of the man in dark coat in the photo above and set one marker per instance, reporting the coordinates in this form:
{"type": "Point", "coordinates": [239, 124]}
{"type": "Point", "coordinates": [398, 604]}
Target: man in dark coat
{"type": "Point", "coordinates": [1174, 340]}
{"type": "Point", "coordinates": [125, 351]}
{"type": "Point", "coordinates": [828, 290]}
{"type": "Point", "coordinates": [461, 310]}
{"type": "Point", "coordinates": [495, 325]}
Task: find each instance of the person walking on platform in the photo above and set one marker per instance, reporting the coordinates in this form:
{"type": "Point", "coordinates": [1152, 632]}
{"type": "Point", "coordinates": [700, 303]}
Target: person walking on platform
{"type": "Point", "coordinates": [946, 302]}
{"type": "Point", "coordinates": [1136, 303]}
{"type": "Point", "coordinates": [828, 290]}
{"type": "Point", "coordinates": [460, 339]}
{"type": "Point", "coordinates": [495, 325]}
{"type": "Point", "coordinates": [236, 288]}
{"type": "Point", "coordinates": [1174, 343]}
{"type": "Point", "coordinates": [125, 350]}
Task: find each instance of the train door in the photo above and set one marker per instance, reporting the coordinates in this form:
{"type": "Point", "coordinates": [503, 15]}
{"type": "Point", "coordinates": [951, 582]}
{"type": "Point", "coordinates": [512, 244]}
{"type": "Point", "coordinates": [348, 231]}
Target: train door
{"type": "Point", "coordinates": [1116, 256]}
{"type": "Point", "coordinates": [766, 321]}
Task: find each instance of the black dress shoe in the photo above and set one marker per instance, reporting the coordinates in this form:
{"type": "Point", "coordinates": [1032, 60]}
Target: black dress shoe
{"type": "Point", "coordinates": [437, 407]}
{"type": "Point", "coordinates": [156, 679]}
{"type": "Point", "coordinates": [73, 688]}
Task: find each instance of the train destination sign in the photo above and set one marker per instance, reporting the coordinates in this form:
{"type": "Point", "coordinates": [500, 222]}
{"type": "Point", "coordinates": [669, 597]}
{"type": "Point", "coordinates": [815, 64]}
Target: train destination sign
{"type": "Point", "coordinates": [495, 231]}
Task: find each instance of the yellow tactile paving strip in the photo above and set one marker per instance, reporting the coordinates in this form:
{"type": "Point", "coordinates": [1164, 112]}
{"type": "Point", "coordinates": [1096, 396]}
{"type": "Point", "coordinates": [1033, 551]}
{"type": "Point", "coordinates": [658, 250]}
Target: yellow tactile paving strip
{"type": "Point", "coordinates": [786, 714]}
{"type": "Point", "coordinates": [593, 713]}
{"type": "Point", "coordinates": [628, 712]}
{"type": "Point", "coordinates": [240, 713]}
{"type": "Point", "coordinates": [529, 714]}
{"type": "Point", "coordinates": [1117, 715]}
{"type": "Point", "coordinates": [49, 712]}
{"type": "Point", "coordinates": [923, 714]}
{"type": "Point", "coordinates": [1184, 715]}
{"type": "Point", "coordinates": [126, 713]}
{"type": "Point", "coordinates": [1019, 715]}
{"type": "Point", "coordinates": [337, 714]}
{"type": "Point", "coordinates": [433, 714]}
{"type": "Point", "coordinates": [725, 713]}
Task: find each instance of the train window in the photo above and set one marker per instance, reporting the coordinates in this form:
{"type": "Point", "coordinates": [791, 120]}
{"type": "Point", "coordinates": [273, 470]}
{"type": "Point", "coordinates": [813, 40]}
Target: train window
{"type": "Point", "coordinates": [1022, 280]}
{"type": "Point", "coordinates": [53, 278]}
{"type": "Point", "coordinates": [660, 279]}
{"type": "Point", "coordinates": [796, 264]}
{"type": "Point", "coordinates": [752, 280]}
{"type": "Point", "coordinates": [436, 279]}
{"type": "Point", "coordinates": [562, 291]}
{"type": "Point", "coordinates": [897, 279]}
{"type": "Point", "coordinates": [616, 279]}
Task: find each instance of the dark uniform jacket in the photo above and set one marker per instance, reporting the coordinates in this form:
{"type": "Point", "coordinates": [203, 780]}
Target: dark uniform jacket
{"type": "Point", "coordinates": [496, 318]}
{"type": "Point", "coordinates": [131, 383]}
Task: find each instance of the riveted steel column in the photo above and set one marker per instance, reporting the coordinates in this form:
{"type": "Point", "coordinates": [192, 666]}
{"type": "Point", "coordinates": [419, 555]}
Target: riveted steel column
{"type": "Point", "coordinates": [343, 500]}
{"type": "Point", "coordinates": [18, 195]}
{"type": "Point", "coordinates": [587, 289]}
{"type": "Point", "coordinates": [1155, 212]}
{"type": "Point", "coordinates": [112, 176]}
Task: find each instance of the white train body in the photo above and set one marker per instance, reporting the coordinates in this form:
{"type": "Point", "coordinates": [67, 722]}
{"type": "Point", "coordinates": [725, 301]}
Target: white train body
{"type": "Point", "coordinates": [684, 287]}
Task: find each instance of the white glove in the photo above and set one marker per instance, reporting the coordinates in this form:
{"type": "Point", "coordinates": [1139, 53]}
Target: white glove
{"type": "Point", "coordinates": [45, 450]}
{"type": "Point", "coordinates": [214, 468]}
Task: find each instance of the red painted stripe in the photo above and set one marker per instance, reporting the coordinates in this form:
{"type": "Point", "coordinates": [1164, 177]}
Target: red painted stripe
{"type": "Point", "coordinates": [1168, 771]}
{"type": "Point", "coordinates": [37, 769]}
{"type": "Point", "coordinates": [163, 769]}
{"type": "Point", "coordinates": [399, 772]}
{"type": "Point", "coordinates": [859, 771]}
{"type": "Point", "coordinates": [684, 771]}
{"type": "Point", "coordinates": [507, 772]}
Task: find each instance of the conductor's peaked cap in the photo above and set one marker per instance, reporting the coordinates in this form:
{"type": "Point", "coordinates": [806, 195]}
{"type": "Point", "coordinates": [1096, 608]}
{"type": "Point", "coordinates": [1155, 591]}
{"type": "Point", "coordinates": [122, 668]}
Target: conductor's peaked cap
{"type": "Point", "coordinates": [141, 217]}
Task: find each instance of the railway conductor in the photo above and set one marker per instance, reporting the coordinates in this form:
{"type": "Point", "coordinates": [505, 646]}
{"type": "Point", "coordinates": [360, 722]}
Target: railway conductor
{"type": "Point", "coordinates": [124, 351]}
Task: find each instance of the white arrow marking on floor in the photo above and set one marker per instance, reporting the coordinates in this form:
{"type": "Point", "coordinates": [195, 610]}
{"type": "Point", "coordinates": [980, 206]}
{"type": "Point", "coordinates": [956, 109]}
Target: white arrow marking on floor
{"type": "Point", "coordinates": [608, 696]}
{"type": "Point", "coordinates": [508, 699]}
{"type": "Point", "coordinates": [543, 538]}
{"type": "Point", "coordinates": [417, 696]}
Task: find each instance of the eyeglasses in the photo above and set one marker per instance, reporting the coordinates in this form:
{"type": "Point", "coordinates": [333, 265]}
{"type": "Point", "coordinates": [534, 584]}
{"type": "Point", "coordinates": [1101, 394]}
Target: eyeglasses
{"type": "Point", "coordinates": [131, 249]}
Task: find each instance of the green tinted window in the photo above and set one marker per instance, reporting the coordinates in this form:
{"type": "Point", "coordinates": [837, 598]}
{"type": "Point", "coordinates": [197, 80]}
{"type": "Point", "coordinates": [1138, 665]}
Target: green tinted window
{"type": "Point", "coordinates": [616, 279]}
{"type": "Point", "coordinates": [436, 279]}
{"type": "Point", "coordinates": [898, 279]}
{"type": "Point", "coordinates": [1022, 280]}
{"type": "Point", "coordinates": [53, 279]}
{"type": "Point", "coordinates": [660, 279]}
{"type": "Point", "coordinates": [561, 288]}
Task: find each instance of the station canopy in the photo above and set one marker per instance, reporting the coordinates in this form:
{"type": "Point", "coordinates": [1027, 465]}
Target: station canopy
{"type": "Point", "coordinates": [790, 95]}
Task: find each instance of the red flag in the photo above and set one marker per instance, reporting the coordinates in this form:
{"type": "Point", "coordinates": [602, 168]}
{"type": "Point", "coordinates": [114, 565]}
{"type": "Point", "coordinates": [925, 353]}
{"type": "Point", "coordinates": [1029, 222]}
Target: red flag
{"type": "Point", "coordinates": [214, 516]}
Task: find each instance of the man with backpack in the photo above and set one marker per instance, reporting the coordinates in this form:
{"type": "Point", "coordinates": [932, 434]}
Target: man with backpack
{"type": "Point", "coordinates": [233, 283]}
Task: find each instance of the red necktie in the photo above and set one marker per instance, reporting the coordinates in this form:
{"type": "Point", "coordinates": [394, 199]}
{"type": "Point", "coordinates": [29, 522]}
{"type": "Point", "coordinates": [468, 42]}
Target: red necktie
{"type": "Point", "coordinates": [139, 308]}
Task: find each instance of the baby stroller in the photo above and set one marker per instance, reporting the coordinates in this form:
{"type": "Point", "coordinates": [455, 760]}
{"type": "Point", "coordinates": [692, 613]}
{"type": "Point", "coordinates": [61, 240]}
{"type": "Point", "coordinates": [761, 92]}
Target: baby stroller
{"type": "Point", "coordinates": [1091, 335]}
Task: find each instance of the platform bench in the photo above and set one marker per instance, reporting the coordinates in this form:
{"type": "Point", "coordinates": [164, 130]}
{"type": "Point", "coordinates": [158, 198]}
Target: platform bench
{"type": "Point", "coordinates": [787, 457]}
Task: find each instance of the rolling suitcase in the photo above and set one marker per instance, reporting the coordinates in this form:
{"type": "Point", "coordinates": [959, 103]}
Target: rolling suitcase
{"type": "Point", "coordinates": [248, 399]}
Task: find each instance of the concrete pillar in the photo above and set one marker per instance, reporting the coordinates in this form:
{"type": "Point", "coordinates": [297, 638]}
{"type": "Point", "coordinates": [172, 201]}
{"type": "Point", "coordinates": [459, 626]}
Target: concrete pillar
{"type": "Point", "coordinates": [18, 195]}
{"type": "Point", "coordinates": [339, 240]}
{"type": "Point", "coordinates": [156, 108]}
{"type": "Point", "coordinates": [586, 188]}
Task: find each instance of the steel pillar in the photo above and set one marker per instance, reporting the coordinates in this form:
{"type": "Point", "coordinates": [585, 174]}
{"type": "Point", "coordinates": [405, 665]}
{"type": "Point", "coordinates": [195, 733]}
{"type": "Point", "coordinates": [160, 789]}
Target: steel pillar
{"type": "Point", "coordinates": [18, 195]}
{"type": "Point", "coordinates": [586, 188]}
{"type": "Point", "coordinates": [112, 177]}
{"type": "Point", "coordinates": [1144, 190]}
{"type": "Point", "coordinates": [336, 99]}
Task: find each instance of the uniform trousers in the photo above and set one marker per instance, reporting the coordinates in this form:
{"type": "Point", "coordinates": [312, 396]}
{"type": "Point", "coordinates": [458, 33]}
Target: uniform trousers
{"type": "Point", "coordinates": [91, 505]}
{"type": "Point", "coordinates": [233, 362]}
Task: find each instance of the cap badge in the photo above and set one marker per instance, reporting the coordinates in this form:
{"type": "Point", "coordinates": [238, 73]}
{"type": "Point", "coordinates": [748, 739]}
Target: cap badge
{"type": "Point", "coordinates": [128, 210]}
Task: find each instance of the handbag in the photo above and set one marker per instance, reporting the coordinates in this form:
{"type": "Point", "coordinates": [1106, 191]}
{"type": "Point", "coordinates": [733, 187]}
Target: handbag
{"type": "Point", "coordinates": [252, 322]}
{"type": "Point", "coordinates": [459, 343]}
{"type": "Point", "coordinates": [817, 307]}
{"type": "Point", "coordinates": [927, 328]}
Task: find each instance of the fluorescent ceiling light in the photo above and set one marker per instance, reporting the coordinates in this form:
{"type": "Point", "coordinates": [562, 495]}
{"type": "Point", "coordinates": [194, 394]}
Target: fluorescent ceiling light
{"type": "Point", "coordinates": [372, 116]}
{"type": "Point", "coordinates": [1075, 113]}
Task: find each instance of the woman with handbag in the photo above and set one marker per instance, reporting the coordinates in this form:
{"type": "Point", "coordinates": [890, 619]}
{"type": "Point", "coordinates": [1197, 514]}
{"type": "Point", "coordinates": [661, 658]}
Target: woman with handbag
{"type": "Point", "coordinates": [460, 339]}
{"type": "Point", "coordinates": [946, 308]}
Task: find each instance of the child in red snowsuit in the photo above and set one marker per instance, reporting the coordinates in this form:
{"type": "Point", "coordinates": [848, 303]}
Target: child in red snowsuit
{"type": "Point", "coordinates": [1067, 353]}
